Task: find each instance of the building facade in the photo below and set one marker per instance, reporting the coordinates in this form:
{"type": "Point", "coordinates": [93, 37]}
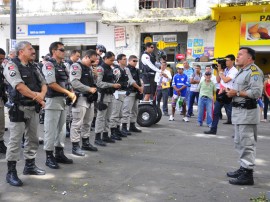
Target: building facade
{"type": "Point", "coordinates": [184, 27]}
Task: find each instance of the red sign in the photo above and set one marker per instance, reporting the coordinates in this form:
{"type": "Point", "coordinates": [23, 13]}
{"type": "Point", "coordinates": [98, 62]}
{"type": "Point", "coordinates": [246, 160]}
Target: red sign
{"type": "Point", "coordinates": [180, 56]}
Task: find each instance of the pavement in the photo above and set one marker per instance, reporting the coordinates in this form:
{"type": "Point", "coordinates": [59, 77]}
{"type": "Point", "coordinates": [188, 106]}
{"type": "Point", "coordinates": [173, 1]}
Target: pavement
{"type": "Point", "coordinates": [170, 161]}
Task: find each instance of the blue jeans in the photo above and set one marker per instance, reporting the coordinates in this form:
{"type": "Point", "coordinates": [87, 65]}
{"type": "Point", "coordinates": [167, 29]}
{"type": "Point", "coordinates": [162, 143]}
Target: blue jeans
{"type": "Point", "coordinates": [192, 97]}
{"type": "Point", "coordinates": [187, 95]}
{"type": "Point", "coordinates": [217, 109]}
{"type": "Point", "coordinates": [164, 94]}
{"type": "Point", "coordinates": [205, 102]}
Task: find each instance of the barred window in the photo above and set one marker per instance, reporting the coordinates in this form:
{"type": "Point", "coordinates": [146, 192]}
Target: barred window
{"type": "Point", "coordinates": [148, 4]}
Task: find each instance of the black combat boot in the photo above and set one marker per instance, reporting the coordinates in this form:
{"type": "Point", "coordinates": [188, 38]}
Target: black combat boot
{"type": "Point", "coordinates": [99, 141]}
{"type": "Point", "coordinates": [3, 148]}
{"type": "Point", "coordinates": [60, 156]}
{"type": "Point", "coordinates": [51, 161]}
{"type": "Point", "coordinates": [133, 128]}
{"type": "Point", "coordinates": [246, 178]}
{"type": "Point", "coordinates": [235, 174]}
{"type": "Point", "coordinates": [86, 145]}
{"type": "Point", "coordinates": [106, 138]}
{"type": "Point", "coordinates": [12, 177]}
{"type": "Point", "coordinates": [76, 149]}
{"type": "Point", "coordinates": [125, 130]}
{"type": "Point", "coordinates": [114, 134]}
{"type": "Point", "coordinates": [30, 168]}
{"type": "Point", "coordinates": [67, 129]}
{"type": "Point", "coordinates": [119, 133]}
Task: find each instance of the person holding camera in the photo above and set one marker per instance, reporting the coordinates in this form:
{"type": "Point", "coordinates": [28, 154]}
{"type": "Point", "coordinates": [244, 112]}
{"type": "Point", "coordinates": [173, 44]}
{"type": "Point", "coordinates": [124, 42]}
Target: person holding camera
{"type": "Point", "coordinates": [27, 91]}
{"type": "Point", "coordinates": [56, 76]}
{"type": "Point", "coordinates": [246, 88]}
{"type": "Point", "coordinates": [82, 81]}
{"type": "Point", "coordinates": [225, 76]}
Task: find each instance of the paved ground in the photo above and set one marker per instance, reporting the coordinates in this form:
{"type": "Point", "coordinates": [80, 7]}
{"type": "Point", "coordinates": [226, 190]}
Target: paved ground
{"type": "Point", "coordinates": [171, 161]}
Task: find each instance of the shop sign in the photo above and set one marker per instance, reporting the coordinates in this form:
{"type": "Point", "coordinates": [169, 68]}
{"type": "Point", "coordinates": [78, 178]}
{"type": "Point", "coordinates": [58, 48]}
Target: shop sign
{"type": "Point", "coordinates": [56, 29]}
{"type": "Point", "coordinates": [161, 45]}
{"type": "Point", "coordinates": [148, 39]}
{"type": "Point", "coordinates": [165, 37]}
{"type": "Point", "coordinates": [21, 30]}
{"type": "Point", "coordinates": [198, 48]}
{"type": "Point", "coordinates": [120, 37]}
{"type": "Point", "coordinates": [255, 29]}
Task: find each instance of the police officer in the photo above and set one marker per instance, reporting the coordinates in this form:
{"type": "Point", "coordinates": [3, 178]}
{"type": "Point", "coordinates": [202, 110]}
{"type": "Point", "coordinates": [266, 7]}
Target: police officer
{"type": "Point", "coordinates": [82, 81]}
{"type": "Point", "coordinates": [246, 89]}
{"type": "Point", "coordinates": [3, 99]}
{"type": "Point", "coordinates": [28, 89]}
{"type": "Point", "coordinates": [149, 70]}
{"type": "Point", "coordinates": [56, 76]}
{"type": "Point", "coordinates": [130, 105]}
{"type": "Point", "coordinates": [125, 79]}
{"type": "Point", "coordinates": [106, 87]}
{"type": "Point", "coordinates": [100, 49]}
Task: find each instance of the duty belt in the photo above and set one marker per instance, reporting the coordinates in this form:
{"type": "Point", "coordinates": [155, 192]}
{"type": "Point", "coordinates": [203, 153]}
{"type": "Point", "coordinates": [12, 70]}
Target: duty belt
{"type": "Point", "coordinates": [243, 105]}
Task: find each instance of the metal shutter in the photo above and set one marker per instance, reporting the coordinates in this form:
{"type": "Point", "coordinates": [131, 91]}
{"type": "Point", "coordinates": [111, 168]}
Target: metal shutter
{"type": "Point", "coordinates": [76, 41]}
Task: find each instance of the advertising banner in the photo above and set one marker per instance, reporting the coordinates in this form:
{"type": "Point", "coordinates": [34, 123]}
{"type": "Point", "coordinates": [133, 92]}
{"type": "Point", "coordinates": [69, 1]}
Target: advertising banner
{"type": "Point", "coordinates": [255, 29]}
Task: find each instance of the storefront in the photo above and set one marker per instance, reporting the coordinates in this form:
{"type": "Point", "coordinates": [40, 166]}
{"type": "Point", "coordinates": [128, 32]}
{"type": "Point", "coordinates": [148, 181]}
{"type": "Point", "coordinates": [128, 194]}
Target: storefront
{"type": "Point", "coordinates": [241, 25]}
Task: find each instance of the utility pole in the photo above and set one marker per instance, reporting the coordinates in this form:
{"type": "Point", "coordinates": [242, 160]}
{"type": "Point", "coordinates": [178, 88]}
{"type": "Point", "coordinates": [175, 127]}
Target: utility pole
{"type": "Point", "coordinates": [12, 24]}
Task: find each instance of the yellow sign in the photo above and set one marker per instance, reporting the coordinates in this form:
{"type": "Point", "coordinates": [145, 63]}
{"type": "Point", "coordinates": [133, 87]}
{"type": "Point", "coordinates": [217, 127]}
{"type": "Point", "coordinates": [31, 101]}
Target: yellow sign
{"type": "Point", "coordinates": [148, 39]}
{"type": "Point", "coordinates": [255, 29]}
{"type": "Point", "coordinates": [161, 45]}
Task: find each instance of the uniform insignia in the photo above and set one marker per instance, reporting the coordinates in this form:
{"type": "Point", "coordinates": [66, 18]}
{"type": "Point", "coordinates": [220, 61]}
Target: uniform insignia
{"type": "Point", "coordinates": [73, 73]}
{"type": "Point", "coordinates": [49, 73]}
{"type": "Point", "coordinates": [12, 73]}
{"type": "Point", "coordinates": [49, 67]}
{"type": "Point", "coordinates": [11, 67]}
{"type": "Point", "coordinates": [75, 67]}
{"type": "Point", "coordinates": [253, 68]}
{"type": "Point", "coordinates": [255, 73]}
{"type": "Point", "coordinates": [99, 70]}
{"type": "Point", "coordinates": [256, 77]}
{"type": "Point", "coordinates": [146, 57]}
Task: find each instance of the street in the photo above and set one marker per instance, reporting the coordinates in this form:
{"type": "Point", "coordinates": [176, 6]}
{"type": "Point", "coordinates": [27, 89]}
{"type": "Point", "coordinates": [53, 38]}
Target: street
{"type": "Point", "coordinates": [170, 161]}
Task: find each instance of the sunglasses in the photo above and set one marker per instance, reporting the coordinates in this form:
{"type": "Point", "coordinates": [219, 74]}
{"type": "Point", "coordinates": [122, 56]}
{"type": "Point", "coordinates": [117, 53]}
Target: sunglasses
{"type": "Point", "coordinates": [61, 49]}
{"type": "Point", "coordinates": [207, 74]}
{"type": "Point", "coordinates": [152, 47]}
{"type": "Point", "coordinates": [92, 61]}
{"type": "Point", "coordinates": [135, 60]}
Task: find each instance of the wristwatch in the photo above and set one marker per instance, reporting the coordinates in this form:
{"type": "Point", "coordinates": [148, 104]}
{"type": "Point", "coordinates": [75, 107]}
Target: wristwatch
{"type": "Point", "coordinates": [238, 93]}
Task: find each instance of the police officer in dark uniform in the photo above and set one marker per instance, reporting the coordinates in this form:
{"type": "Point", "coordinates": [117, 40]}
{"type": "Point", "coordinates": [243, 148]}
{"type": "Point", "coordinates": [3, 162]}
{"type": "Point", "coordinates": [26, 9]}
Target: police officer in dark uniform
{"type": "Point", "coordinates": [106, 87]}
{"type": "Point", "coordinates": [27, 92]}
{"type": "Point", "coordinates": [130, 105]}
{"type": "Point", "coordinates": [82, 81]}
{"type": "Point", "coordinates": [100, 49]}
{"type": "Point", "coordinates": [3, 99]}
{"type": "Point", "coordinates": [56, 77]}
{"type": "Point", "coordinates": [149, 69]}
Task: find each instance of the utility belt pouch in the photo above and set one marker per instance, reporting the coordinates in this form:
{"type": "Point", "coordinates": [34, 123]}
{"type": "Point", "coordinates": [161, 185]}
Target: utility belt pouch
{"type": "Point", "coordinates": [251, 103]}
{"type": "Point", "coordinates": [15, 114]}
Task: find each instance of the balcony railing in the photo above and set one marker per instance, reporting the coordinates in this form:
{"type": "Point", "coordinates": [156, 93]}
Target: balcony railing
{"type": "Point", "coordinates": [149, 4]}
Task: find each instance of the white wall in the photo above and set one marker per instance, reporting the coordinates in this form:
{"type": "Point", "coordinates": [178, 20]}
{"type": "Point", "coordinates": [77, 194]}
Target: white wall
{"type": "Point", "coordinates": [106, 36]}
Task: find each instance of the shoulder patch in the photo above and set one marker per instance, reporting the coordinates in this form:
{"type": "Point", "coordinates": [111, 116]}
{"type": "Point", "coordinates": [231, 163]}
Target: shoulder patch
{"type": "Point", "coordinates": [99, 70]}
{"type": "Point", "coordinates": [12, 73]}
{"type": "Point", "coordinates": [75, 67]}
{"type": "Point", "coordinates": [73, 73]}
{"type": "Point", "coordinates": [11, 67]}
{"type": "Point", "coordinates": [48, 67]}
{"type": "Point", "coordinates": [49, 73]}
{"type": "Point", "coordinates": [147, 57]}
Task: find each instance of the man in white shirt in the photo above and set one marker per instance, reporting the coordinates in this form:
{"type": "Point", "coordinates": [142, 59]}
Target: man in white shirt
{"type": "Point", "coordinates": [149, 70]}
{"type": "Point", "coordinates": [163, 80]}
{"type": "Point", "coordinates": [224, 77]}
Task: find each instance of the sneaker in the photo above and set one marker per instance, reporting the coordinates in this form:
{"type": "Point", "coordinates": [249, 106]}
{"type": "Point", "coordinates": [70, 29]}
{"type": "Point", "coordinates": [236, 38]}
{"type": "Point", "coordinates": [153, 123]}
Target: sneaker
{"type": "Point", "coordinates": [264, 120]}
{"type": "Point", "coordinates": [171, 118]}
{"type": "Point", "coordinates": [188, 115]}
{"type": "Point", "coordinates": [186, 119]}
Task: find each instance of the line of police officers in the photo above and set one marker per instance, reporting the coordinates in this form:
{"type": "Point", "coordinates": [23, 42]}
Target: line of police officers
{"type": "Point", "coordinates": [55, 87]}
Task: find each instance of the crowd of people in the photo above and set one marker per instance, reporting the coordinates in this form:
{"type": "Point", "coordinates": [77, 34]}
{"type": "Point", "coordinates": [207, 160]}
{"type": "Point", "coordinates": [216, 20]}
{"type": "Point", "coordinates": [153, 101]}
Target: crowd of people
{"type": "Point", "coordinates": [101, 91]}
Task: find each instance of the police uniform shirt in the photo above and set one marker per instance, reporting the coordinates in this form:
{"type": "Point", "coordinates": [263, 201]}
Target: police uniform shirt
{"type": "Point", "coordinates": [249, 79]}
{"type": "Point", "coordinates": [13, 76]}
{"type": "Point", "coordinates": [146, 61]}
{"type": "Point", "coordinates": [57, 103]}
{"type": "Point", "coordinates": [100, 83]}
{"type": "Point", "coordinates": [131, 81]}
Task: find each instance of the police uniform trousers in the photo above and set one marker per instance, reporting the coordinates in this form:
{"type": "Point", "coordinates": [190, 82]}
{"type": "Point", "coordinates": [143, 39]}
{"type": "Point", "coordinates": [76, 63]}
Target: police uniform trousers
{"type": "Point", "coordinates": [69, 114]}
{"type": "Point", "coordinates": [117, 108]}
{"type": "Point", "coordinates": [29, 129]}
{"type": "Point", "coordinates": [54, 125]}
{"type": "Point", "coordinates": [2, 119]}
{"type": "Point", "coordinates": [245, 139]}
{"type": "Point", "coordinates": [82, 116]}
{"type": "Point", "coordinates": [130, 109]}
{"type": "Point", "coordinates": [103, 117]}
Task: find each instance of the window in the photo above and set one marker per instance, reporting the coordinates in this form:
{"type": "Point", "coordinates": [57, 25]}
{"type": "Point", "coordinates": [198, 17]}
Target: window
{"type": "Point", "coordinates": [148, 4]}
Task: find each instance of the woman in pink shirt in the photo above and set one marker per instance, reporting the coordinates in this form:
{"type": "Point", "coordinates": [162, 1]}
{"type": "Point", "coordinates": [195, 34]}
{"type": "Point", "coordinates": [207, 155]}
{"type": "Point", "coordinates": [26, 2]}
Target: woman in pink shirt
{"type": "Point", "coordinates": [266, 97]}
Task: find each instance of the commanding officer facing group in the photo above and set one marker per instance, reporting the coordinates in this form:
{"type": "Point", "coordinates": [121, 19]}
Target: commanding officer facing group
{"type": "Point", "coordinates": [28, 90]}
{"type": "Point", "coordinates": [82, 81]}
{"type": "Point", "coordinates": [56, 76]}
{"type": "Point", "coordinates": [246, 89]}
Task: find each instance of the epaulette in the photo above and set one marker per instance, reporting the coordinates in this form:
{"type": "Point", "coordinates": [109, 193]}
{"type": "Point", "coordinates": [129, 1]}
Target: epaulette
{"type": "Point", "coordinates": [254, 70]}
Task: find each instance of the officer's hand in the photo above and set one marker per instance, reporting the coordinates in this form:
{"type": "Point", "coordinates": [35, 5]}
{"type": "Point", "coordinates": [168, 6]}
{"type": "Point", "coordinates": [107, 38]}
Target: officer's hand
{"type": "Point", "coordinates": [116, 85]}
{"type": "Point", "coordinates": [231, 92]}
{"type": "Point", "coordinates": [93, 90]}
{"type": "Point", "coordinates": [72, 96]}
{"type": "Point", "coordinates": [42, 104]}
{"type": "Point", "coordinates": [140, 89]}
{"type": "Point", "coordinates": [39, 97]}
